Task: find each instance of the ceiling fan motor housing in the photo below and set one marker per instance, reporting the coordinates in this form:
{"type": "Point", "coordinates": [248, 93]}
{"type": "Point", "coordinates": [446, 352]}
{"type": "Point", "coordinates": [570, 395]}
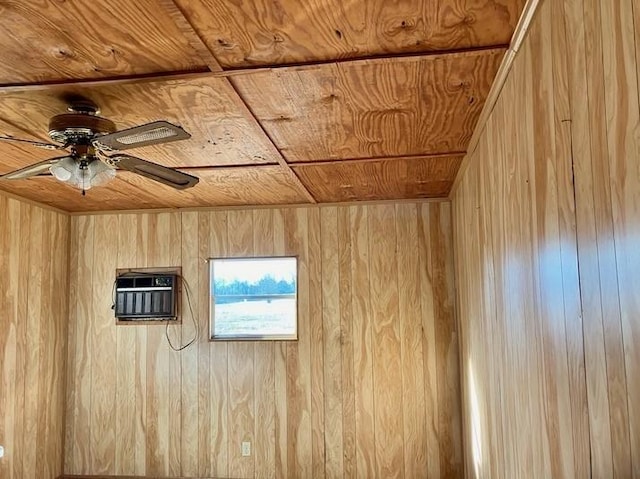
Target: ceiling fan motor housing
{"type": "Point", "coordinates": [78, 129]}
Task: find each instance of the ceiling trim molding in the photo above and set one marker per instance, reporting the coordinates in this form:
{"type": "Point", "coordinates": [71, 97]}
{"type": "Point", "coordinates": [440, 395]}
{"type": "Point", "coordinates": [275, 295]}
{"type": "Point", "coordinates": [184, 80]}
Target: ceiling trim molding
{"type": "Point", "coordinates": [343, 204]}
{"type": "Point", "coordinates": [206, 72]}
{"type": "Point", "coordinates": [519, 35]}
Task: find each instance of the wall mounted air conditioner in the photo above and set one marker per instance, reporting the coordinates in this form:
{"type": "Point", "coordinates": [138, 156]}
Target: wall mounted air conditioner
{"type": "Point", "coordinates": [146, 296]}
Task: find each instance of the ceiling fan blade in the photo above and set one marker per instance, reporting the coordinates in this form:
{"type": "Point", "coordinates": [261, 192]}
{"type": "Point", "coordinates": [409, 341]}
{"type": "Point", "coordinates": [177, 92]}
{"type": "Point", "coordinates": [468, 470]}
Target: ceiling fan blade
{"type": "Point", "coordinates": [38, 144]}
{"type": "Point", "coordinates": [143, 135]}
{"type": "Point", "coordinates": [168, 176]}
{"type": "Point", "coordinates": [31, 170]}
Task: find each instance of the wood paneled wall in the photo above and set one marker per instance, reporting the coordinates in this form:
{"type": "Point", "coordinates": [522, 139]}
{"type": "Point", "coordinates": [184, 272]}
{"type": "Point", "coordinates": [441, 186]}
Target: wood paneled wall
{"type": "Point", "coordinates": [371, 389]}
{"type": "Point", "coordinates": [546, 226]}
{"type": "Point", "coordinates": [34, 247]}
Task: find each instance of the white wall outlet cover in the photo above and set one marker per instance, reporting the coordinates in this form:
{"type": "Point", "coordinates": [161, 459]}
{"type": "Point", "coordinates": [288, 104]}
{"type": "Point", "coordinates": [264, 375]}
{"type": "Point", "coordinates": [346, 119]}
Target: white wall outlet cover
{"type": "Point", "coordinates": [1, 451]}
{"type": "Point", "coordinates": [246, 449]}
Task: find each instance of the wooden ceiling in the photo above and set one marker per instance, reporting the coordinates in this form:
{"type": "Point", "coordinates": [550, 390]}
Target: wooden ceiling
{"type": "Point", "coordinates": [286, 101]}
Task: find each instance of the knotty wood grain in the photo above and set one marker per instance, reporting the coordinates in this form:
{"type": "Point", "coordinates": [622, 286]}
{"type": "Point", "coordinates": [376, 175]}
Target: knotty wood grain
{"type": "Point", "coordinates": [389, 106]}
{"type": "Point", "coordinates": [245, 34]}
{"type": "Point", "coordinates": [51, 41]}
{"type": "Point", "coordinates": [372, 108]}
{"type": "Point", "coordinates": [273, 394]}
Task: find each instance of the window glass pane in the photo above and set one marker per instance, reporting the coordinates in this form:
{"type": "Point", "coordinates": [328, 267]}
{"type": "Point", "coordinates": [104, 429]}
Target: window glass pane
{"type": "Point", "coordinates": [254, 298]}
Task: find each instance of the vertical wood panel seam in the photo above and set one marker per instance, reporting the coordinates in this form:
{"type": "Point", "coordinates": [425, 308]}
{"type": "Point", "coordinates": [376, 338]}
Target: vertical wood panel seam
{"type": "Point", "coordinates": [458, 321]}
{"type": "Point", "coordinates": [67, 319]}
{"type": "Point", "coordinates": [579, 272]}
{"type": "Point", "coordinates": [571, 76]}
{"type": "Point", "coordinates": [610, 223]}
{"type": "Point", "coordinates": [324, 364]}
{"type": "Point", "coordinates": [634, 6]}
{"type": "Point", "coordinates": [589, 107]}
{"type": "Point", "coordinates": [24, 382]}
{"type": "Point", "coordinates": [373, 352]}
{"type": "Point", "coordinates": [88, 332]}
{"type": "Point", "coordinates": [614, 243]}
{"type": "Point", "coordinates": [402, 352]}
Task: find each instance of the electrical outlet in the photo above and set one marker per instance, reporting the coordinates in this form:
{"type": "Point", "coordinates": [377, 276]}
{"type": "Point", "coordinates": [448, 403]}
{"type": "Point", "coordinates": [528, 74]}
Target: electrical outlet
{"type": "Point", "coordinates": [246, 449]}
{"type": "Point", "coordinates": [1, 451]}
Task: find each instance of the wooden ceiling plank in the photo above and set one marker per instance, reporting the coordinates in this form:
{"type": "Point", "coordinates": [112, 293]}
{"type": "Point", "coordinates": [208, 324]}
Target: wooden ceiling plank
{"type": "Point", "coordinates": [51, 40]}
{"type": "Point", "coordinates": [414, 106]}
{"type": "Point", "coordinates": [281, 161]}
{"type": "Point", "coordinates": [355, 60]}
{"type": "Point", "coordinates": [217, 187]}
{"type": "Point", "coordinates": [8, 127]}
{"type": "Point", "coordinates": [347, 161]}
{"type": "Point", "coordinates": [258, 32]}
{"type": "Point", "coordinates": [206, 72]}
{"type": "Point", "coordinates": [223, 132]}
{"type": "Point", "coordinates": [187, 28]}
{"type": "Point", "coordinates": [429, 177]}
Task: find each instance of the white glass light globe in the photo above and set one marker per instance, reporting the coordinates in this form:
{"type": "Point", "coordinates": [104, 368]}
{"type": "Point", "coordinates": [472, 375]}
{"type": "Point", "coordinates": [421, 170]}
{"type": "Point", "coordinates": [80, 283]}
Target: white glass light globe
{"type": "Point", "coordinates": [64, 169]}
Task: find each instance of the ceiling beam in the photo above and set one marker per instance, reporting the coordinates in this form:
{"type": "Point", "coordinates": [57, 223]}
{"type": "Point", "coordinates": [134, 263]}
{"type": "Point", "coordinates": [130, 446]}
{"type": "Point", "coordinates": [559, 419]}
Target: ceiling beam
{"type": "Point", "coordinates": [207, 71]}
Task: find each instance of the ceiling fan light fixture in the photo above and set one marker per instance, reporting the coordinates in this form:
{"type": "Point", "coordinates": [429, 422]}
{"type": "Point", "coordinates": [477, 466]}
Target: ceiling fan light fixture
{"type": "Point", "coordinates": [82, 175]}
{"type": "Point", "coordinates": [64, 169]}
{"type": "Point", "coordinates": [100, 173]}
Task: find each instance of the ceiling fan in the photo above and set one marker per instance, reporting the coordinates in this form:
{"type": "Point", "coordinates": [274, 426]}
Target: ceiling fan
{"type": "Point", "coordinates": [92, 145]}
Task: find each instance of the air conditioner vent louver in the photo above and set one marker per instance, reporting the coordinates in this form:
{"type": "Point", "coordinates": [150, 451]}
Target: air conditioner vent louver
{"type": "Point", "coordinates": [146, 297]}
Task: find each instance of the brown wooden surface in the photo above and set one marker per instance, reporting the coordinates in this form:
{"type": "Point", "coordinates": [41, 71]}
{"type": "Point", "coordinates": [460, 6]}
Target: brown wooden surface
{"type": "Point", "coordinates": [372, 108]}
{"type": "Point", "coordinates": [222, 131]}
{"type": "Point", "coordinates": [545, 222]}
{"type": "Point", "coordinates": [379, 179]}
{"type": "Point", "coordinates": [86, 39]}
{"type": "Point", "coordinates": [248, 33]}
{"type": "Point", "coordinates": [267, 185]}
{"type": "Point", "coordinates": [34, 249]}
{"type": "Point", "coordinates": [329, 405]}
{"type": "Point", "coordinates": [384, 105]}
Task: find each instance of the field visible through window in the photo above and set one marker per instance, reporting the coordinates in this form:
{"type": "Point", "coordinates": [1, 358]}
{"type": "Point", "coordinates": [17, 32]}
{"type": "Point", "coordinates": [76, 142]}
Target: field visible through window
{"type": "Point", "coordinates": [254, 298]}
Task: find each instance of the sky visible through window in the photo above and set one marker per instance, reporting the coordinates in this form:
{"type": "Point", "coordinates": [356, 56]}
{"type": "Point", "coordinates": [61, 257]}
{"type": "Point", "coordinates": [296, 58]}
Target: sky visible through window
{"type": "Point", "coordinates": [254, 298]}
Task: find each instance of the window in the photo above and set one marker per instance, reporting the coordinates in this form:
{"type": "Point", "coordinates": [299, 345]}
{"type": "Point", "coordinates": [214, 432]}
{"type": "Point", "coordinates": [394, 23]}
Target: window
{"type": "Point", "coordinates": [254, 298]}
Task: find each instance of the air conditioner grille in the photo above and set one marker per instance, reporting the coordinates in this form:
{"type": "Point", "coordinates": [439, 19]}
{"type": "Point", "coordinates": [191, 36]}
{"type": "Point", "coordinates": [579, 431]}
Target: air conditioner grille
{"type": "Point", "coordinates": [148, 297]}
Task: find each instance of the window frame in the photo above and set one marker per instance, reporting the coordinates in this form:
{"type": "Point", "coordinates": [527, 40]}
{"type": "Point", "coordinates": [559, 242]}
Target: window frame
{"type": "Point", "coordinates": [252, 337]}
